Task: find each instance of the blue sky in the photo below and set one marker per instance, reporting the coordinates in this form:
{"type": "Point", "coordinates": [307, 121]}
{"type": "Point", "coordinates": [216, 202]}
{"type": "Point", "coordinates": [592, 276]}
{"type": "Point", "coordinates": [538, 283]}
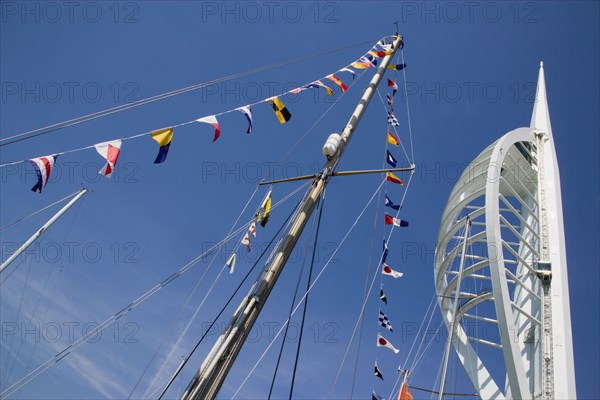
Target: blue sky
{"type": "Point", "coordinates": [471, 78]}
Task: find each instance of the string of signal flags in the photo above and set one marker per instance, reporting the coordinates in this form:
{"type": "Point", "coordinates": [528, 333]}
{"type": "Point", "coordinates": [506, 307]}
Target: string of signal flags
{"type": "Point", "coordinates": [111, 150]}
{"type": "Point", "coordinates": [393, 221]}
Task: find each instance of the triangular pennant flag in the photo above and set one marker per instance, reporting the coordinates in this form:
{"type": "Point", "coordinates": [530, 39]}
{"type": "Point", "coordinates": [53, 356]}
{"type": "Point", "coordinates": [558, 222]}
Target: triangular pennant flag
{"type": "Point", "coordinates": [393, 178]}
{"type": "Point", "coordinates": [385, 252]}
{"type": "Point", "coordinates": [382, 295]}
{"type": "Point", "coordinates": [377, 372]}
{"type": "Point", "coordinates": [390, 159]}
{"type": "Point", "coordinates": [382, 342]}
{"type": "Point", "coordinates": [212, 120]}
{"type": "Point", "coordinates": [392, 139]}
{"type": "Point", "coordinates": [163, 137]}
{"type": "Point", "coordinates": [389, 220]}
{"type": "Point", "coordinates": [231, 263]}
{"type": "Point", "coordinates": [246, 241]}
{"type": "Point", "coordinates": [248, 113]}
{"type": "Point", "coordinates": [282, 113]}
{"type": "Point", "coordinates": [393, 85]}
{"type": "Point", "coordinates": [390, 101]}
{"type": "Point", "coordinates": [338, 82]}
{"type": "Point", "coordinates": [389, 203]}
{"type": "Point", "coordinates": [252, 229]}
{"type": "Point", "coordinates": [110, 151]}
{"type": "Point", "coordinates": [43, 168]}
{"type": "Point", "coordinates": [375, 396]}
{"type": "Point", "coordinates": [264, 216]}
{"type": "Point", "coordinates": [346, 69]}
{"type": "Point", "coordinates": [385, 322]}
{"type": "Point", "coordinates": [386, 270]}
{"type": "Point", "coordinates": [397, 67]}
{"type": "Point", "coordinates": [392, 120]}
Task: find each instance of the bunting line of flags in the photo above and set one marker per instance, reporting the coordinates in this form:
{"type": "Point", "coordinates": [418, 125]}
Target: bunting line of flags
{"type": "Point", "coordinates": [389, 219]}
{"type": "Point", "coordinates": [262, 216]}
{"type": "Point", "coordinates": [111, 150]}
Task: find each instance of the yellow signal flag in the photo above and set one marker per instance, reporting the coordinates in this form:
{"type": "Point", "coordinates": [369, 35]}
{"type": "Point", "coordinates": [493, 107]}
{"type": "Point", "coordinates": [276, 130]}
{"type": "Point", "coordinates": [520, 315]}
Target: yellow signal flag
{"type": "Point", "coordinates": [282, 113]}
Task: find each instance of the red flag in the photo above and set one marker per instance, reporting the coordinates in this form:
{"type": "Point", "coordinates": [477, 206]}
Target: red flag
{"type": "Point", "coordinates": [393, 85]}
{"type": "Point", "coordinates": [338, 82]}
{"type": "Point", "coordinates": [110, 151]}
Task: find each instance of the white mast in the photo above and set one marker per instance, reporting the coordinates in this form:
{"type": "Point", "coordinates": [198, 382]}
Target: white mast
{"type": "Point", "coordinates": [38, 233]}
{"type": "Point", "coordinates": [212, 373]}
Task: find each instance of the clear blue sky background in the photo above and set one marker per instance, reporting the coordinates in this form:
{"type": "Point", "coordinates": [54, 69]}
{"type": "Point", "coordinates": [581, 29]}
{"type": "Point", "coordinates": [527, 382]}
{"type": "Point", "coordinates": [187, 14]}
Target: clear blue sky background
{"type": "Point", "coordinates": [471, 76]}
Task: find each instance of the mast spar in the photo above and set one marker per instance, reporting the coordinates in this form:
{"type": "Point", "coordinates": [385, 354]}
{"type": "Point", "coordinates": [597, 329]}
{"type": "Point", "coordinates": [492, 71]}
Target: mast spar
{"type": "Point", "coordinates": [213, 371]}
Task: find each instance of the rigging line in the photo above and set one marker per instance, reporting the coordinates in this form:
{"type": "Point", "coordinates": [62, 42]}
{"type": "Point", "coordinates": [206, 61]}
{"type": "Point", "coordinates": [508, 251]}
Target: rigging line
{"type": "Point", "coordinates": [210, 290]}
{"type": "Point", "coordinates": [76, 217]}
{"type": "Point", "coordinates": [25, 284]}
{"type": "Point", "coordinates": [407, 110]}
{"type": "Point", "coordinates": [184, 332]}
{"type": "Point", "coordinates": [40, 238]}
{"type": "Point", "coordinates": [427, 313]}
{"type": "Point", "coordinates": [394, 128]}
{"type": "Point", "coordinates": [66, 351]}
{"type": "Point", "coordinates": [283, 225]}
{"type": "Point", "coordinates": [430, 312]}
{"type": "Point", "coordinates": [308, 240]}
{"type": "Point", "coordinates": [449, 394]}
{"type": "Point", "coordinates": [286, 224]}
{"type": "Point", "coordinates": [308, 282]}
{"type": "Point", "coordinates": [360, 329]}
{"type": "Point", "coordinates": [172, 324]}
{"type": "Point", "coordinates": [311, 286]}
{"type": "Point", "coordinates": [368, 294]}
{"type": "Point", "coordinates": [61, 125]}
{"type": "Point", "coordinates": [146, 133]}
{"type": "Point", "coordinates": [417, 363]}
{"type": "Point", "coordinates": [294, 147]}
{"type": "Point", "coordinates": [38, 211]}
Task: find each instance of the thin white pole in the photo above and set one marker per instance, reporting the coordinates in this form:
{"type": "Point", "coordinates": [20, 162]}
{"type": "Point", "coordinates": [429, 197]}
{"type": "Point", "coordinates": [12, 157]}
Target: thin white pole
{"type": "Point", "coordinates": [37, 234]}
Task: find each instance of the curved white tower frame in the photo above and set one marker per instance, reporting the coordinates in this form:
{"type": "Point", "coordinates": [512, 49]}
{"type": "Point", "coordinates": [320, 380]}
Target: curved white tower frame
{"type": "Point", "coordinates": [513, 300]}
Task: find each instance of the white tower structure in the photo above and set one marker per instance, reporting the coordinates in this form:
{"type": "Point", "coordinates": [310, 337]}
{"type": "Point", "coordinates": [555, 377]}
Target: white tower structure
{"type": "Point", "coordinates": [501, 267]}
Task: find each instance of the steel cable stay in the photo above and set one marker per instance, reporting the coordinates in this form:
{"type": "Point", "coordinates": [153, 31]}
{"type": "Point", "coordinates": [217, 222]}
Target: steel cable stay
{"type": "Point", "coordinates": [99, 114]}
{"type": "Point", "coordinates": [125, 310]}
{"type": "Point", "coordinates": [365, 292]}
{"type": "Point", "coordinates": [41, 293]}
{"type": "Point", "coordinates": [166, 386]}
{"type": "Point", "coordinates": [38, 211]}
{"type": "Point", "coordinates": [308, 283]}
{"type": "Point", "coordinates": [366, 298]}
{"type": "Point", "coordinates": [312, 285]}
{"type": "Point", "coordinates": [418, 354]}
{"type": "Point", "coordinates": [180, 311]}
{"type": "Point", "coordinates": [368, 274]}
{"type": "Point", "coordinates": [308, 240]}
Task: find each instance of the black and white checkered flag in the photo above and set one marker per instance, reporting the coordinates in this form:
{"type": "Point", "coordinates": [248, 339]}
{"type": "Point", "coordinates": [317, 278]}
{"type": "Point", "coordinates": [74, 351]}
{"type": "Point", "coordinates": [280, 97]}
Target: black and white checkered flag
{"type": "Point", "coordinates": [385, 322]}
